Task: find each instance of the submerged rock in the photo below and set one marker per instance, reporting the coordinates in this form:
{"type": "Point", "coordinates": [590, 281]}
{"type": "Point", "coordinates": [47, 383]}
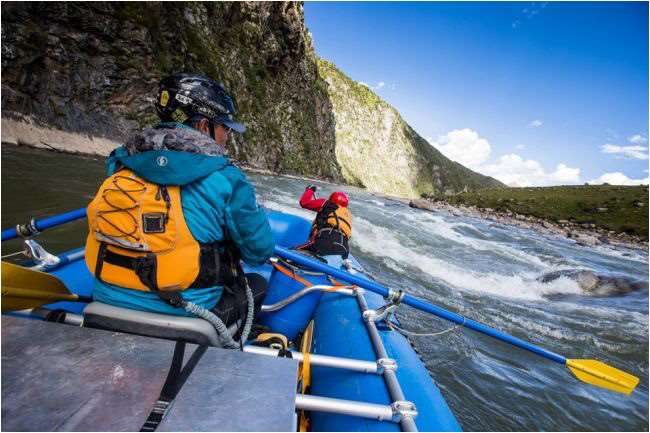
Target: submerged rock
{"type": "Point", "coordinates": [594, 284]}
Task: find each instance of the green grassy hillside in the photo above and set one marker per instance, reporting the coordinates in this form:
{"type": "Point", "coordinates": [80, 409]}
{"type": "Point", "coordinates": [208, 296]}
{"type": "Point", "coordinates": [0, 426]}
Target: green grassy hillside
{"type": "Point", "coordinates": [378, 150]}
{"type": "Point", "coordinates": [623, 209]}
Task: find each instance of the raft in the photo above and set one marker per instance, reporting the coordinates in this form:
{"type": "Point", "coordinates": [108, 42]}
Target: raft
{"type": "Point", "coordinates": [344, 369]}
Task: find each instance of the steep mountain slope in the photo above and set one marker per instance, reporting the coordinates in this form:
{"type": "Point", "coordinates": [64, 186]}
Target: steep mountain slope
{"type": "Point", "coordinates": [82, 75]}
{"type": "Point", "coordinates": [377, 149]}
{"type": "Point", "coordinates": [93, 68]}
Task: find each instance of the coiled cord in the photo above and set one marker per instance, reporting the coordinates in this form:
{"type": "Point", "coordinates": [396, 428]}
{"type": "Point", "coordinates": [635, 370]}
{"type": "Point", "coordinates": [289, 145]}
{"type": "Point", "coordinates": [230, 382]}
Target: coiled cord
{"type": "Point", "coordinates": [219, 326]}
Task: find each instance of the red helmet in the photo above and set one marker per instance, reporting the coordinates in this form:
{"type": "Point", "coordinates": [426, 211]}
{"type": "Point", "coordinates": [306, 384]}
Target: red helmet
{"type": "Point", "coordinates": [340, 198]}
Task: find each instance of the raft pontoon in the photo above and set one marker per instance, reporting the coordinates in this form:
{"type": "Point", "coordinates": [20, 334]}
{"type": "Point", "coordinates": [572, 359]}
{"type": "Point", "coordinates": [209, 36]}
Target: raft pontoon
{"type": "Point", "coordinates": [92, 366]}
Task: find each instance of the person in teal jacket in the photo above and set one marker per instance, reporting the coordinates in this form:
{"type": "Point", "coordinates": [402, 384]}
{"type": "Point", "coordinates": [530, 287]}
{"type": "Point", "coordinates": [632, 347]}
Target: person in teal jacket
{"type": "Point", "coordinates": [218, 202]}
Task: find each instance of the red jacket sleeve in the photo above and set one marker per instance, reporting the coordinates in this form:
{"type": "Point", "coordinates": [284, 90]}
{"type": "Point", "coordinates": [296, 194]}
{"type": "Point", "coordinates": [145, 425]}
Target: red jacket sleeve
{"type": "Point", "coordinates": [308, 201]}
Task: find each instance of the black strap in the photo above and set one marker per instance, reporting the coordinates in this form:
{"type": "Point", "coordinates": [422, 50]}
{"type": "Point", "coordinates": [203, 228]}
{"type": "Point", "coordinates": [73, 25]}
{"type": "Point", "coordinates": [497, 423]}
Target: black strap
{"type": "Point", "coordinates": [144, 267]}
{"type": "Point", "coordinates": [284, 353]}
{"type": "Point", "coordinates": [176, 378]}
{"type": "Point", "coordinates": [212, 266]}
{"type": "Point", "coordinates": [100, 260]}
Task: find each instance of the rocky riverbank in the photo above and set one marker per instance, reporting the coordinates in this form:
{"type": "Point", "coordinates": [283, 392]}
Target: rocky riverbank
{"type": "Point", "coordinates": [583, 234]}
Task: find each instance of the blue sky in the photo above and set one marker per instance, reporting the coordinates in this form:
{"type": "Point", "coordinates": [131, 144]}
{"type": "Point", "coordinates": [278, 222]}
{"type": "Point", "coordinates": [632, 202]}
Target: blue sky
{"type": "Point", "coordinates": [533, 93]}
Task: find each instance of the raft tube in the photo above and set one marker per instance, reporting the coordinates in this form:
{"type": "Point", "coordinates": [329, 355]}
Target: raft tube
{"type": "Point", "coordinates": [339, 330]}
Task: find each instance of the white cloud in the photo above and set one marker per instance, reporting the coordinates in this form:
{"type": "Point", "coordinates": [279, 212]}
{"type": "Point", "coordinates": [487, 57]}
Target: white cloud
{"type": "Point", "coordinates": [637, 139]}
{"type": "Point", "coordinates": [520, 147]}
{"type": "Point", "coordinates": [464, 146]}
{"type": "Point", "coordinates": [618, 178]}
{"type": "Point", "coordinates": [529, 13]}
{"type": "Point", "coordinates": [379, 85]}
{"type": "Point", "coordinates": [467, 147]}
{"type": "Point", "coordinates": [536, 123]}
{"type": "Point", "coordinates": [637, 152]}
{"type": "Point", "coordinates": [513, 170]}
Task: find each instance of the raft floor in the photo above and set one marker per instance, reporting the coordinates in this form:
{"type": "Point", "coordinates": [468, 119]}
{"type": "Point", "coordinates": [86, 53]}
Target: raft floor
{"type": "Point", "coordinates": [58, 377]}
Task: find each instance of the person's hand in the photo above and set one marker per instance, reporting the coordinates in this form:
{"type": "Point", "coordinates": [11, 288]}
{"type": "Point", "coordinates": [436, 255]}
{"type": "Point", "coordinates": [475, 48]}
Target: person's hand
{"type": "Point", "coordinates": [312, 187]}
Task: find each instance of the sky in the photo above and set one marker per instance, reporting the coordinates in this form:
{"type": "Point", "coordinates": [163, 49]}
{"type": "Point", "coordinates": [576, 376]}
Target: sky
{"type": "Point", "coordinates": [531, 93]}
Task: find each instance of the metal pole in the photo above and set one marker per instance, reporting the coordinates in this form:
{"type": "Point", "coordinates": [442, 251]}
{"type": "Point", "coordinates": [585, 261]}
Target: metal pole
{"type": "Point", "coordinates": [321, 360]}
{"type": "Point", "coordinates": [407, 423]}
{"type": "Point", "coordinates": [299, 294]}
{"type": "Point", "coordinates": [344, 407]}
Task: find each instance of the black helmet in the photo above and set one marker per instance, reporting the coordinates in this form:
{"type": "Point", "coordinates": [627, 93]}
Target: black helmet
{"type": "Point", "coordinates": [183, 96]}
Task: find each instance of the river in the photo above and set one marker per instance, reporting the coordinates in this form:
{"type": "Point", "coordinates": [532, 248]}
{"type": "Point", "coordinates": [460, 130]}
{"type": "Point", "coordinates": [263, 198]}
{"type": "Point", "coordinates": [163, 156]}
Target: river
{"type": "Point", "coordinates": [486, 271]}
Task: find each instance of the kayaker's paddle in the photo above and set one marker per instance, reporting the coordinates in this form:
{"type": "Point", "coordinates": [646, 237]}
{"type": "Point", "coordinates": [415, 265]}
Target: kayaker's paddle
{"type": "Point", "coordinates": [587, 370]}
{"type": "Point", "coordinates": [24, 288]}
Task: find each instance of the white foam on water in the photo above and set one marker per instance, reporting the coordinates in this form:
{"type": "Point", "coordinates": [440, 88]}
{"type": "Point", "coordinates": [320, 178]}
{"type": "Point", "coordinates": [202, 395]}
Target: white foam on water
{"type": "Point", "coordinates": [293, 210]}
{"type": "Point", "coordinates": [401, 253]}
{"type": "Point", "coordinates": [376, 202]}
{"type": "Point", "coordinates": [622, 253]}
{"type": "Point", "coordinates": [437, 226]}
{"type": "Point", "coordinates": [402, 250]}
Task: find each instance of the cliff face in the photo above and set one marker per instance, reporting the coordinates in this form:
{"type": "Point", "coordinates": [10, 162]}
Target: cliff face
{"type": "Point", "coordinates": [88, 72]}
{"type": "Point", "coordinates": [93, 68]}
{"type": "Point", "coordinates": [378, 150]}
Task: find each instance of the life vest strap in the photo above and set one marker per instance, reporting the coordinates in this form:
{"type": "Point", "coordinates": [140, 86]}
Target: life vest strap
{"type": "Point", "coordinates": [212, 271]}
{"type": "Point", "coordinates": [144, 267]}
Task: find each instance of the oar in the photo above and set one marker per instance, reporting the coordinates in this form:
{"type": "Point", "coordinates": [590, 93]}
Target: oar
{"type": "Point", "coordinates": [587, 370]}
{"type": "Point", "coordinates": [35, 226]}
{"type": "Point", "coordinates": [24, 288]}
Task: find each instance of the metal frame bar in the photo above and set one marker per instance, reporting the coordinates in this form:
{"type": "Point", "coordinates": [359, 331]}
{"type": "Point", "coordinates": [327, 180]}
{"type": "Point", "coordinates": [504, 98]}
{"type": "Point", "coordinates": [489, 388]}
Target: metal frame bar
{"type": "Point", "coordinates": [407, 409]}
{"type": "Point", "coordinates": [307, 290]}
{"type": "Point", "coordinates": [322, 360]}
{"type": "Point", "coordinates": [345, 407]}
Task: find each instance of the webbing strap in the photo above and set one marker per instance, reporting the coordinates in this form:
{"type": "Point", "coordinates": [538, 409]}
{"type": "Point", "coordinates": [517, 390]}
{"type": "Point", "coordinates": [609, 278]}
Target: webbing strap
{"type": "Point", "coordinates": [176, 378]}
{"type": "Point", "coordinates": [290, 274]}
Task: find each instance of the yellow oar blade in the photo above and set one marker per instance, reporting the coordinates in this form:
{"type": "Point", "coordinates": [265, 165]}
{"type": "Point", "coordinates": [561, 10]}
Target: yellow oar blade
{"type": "Point", "coordinates": [16, 298]}
{"type": "Point", "coordinates": [600, 374]}
{"type": "Point", "coordinates": [24, 288]}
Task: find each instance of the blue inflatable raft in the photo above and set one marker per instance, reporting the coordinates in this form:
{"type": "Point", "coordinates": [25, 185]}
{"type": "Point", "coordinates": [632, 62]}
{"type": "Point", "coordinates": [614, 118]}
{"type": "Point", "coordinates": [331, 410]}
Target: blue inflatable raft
{"type": "Point", "coordinates": [354, 373]}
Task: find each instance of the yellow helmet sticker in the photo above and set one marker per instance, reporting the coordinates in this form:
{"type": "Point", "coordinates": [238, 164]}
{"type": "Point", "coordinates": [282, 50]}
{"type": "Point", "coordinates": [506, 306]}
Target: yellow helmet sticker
{"type": "Point", "coordinates": [179, 116]}
{"type": "Point", "coordinates": [164, 98]}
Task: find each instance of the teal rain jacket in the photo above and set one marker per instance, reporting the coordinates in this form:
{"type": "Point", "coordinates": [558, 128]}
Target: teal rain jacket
{"type": "Point", "coordinates": [217, 199]}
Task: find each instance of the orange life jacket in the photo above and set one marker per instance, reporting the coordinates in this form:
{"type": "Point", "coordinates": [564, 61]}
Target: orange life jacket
{"type": "Point", "coordinates": [138, 238]}
{"type": "Point", "coordinates": [333, 216]}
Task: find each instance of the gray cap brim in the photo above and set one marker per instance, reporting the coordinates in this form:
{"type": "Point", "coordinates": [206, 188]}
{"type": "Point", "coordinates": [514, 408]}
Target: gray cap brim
{"type": "Point", "coordinates": [227, 120]}
{"type": "Point", "coordinates": [237, 127]}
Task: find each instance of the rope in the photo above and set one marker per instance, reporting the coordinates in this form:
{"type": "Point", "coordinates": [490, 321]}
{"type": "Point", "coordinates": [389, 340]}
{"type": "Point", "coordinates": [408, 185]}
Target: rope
{"type": "Point", "coordinates": [249, 313]}
{"type": "Point", "coordinates": [218, 324]}
{"type": "Point", "coordinates": [12, 254]}
{"type": "Point", "coordinates": [427, 334]}
{"type": "Point", "coordinates": [298, 270]}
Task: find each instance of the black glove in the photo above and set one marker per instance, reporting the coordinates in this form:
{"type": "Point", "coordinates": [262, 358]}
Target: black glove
{"type": "Point", "coordinates": [312, 187]}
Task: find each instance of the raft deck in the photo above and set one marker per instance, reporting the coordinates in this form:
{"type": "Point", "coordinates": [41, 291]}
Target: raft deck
{"type": "Point", "coordinates": [81, 379]}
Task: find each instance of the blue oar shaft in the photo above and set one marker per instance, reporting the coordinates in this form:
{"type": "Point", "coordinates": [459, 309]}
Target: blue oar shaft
{"type": "Point", "coordinates": [47, 223]}
{"type": "Point", "coordinates": [414, 302]}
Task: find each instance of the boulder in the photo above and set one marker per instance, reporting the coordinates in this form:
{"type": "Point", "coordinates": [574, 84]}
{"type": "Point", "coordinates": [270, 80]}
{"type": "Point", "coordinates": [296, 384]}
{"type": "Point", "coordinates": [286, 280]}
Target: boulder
{"type": "Point", "coordinates": [421, 203]}
{"type": "Point", "coordinates": [583, 239]}
{"type": "Point", "coordinates": [595, 284]}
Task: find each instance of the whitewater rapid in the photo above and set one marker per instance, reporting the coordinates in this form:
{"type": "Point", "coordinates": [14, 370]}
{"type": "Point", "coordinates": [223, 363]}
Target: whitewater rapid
{"type": "Point", "coordinates": [491, 273]}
